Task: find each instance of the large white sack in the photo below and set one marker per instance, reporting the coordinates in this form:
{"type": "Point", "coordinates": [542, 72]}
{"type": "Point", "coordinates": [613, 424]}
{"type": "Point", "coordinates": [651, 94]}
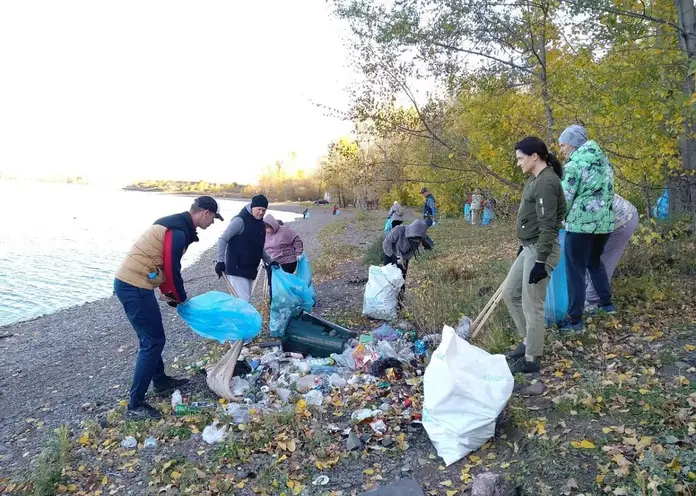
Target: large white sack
{"type": "Point", "coordinates": [382, 292]}
{"type": "Point", "coordinates": [465, 389]}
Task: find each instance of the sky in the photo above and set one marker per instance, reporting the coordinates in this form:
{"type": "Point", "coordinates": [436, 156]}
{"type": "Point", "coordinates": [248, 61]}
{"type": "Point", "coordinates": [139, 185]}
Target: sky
{"type": "Point", "coordinates": [128, 90]}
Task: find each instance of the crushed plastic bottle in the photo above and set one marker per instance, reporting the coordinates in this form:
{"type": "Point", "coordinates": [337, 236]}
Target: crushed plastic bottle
{"type": "Point", "coordinates": [129, 442]}
{"type": "Point", "coordinates": [176, 399]}
{"type": "Point", "coordinates": [364, 414]}
{"type": "Point", "coordinates": [314, 397]}
{"type": "Point", "coordinates": [308, 382]}
{"type": "Point", "coordinates": [318, 362]}
{"type": "Point", "coordinates": [239, 413]}
{"type": "Point", "coordinates": [239, 386]}
{"type": "Point", "coordinates": [379, 426]}
{"type": "Point", "coordinates": [150, 442]}
{"type": "Point", "coordinates": [302, 366]}
{"type": "Point", "coordinates": [336, 380]}
{"type": "Point", "coordinates": [283, 394]}
{"type": "Point", "coordinates": [420, 347]}
{"type": "Point", "coordinates": [463, 327]}
{"type": "Point", "coordinates": [323, 370]}
{"type": "Point", "coordinates": [184, 409]}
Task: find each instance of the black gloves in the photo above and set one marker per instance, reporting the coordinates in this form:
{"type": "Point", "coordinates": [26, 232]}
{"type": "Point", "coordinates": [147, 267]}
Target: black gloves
{"type": "Point", "coordinates": [170, 300]}
{"type": "Point", "coordinates": [172, 303]}
{"type": "Point", "coordinates": [220, 269]}
{"type": "Point", "coordinates": [538, 273]}
{"type": "Point", "coordinates": [520, 250]}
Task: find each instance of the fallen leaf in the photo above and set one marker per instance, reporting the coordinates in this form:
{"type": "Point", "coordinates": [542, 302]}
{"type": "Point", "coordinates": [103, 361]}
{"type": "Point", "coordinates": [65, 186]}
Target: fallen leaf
{"type": "Point", "coordinates": [584, 444]}
{"type": "Point", "coordinates": [446, 483]}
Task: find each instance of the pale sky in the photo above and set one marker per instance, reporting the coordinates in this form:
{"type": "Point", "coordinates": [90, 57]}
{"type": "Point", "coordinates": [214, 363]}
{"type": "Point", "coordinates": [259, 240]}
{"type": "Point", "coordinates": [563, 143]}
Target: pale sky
{"type": "Point", "coordinates": [210, 90]}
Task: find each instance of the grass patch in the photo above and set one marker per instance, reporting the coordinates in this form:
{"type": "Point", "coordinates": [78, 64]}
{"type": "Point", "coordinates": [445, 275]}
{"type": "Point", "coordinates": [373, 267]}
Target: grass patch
{"type": "Point", "coordinates": [53, 459]}
{"type": "Point", "coordinates": [374, 255]}
{"type": "Point", "coordinates": [334, 249]}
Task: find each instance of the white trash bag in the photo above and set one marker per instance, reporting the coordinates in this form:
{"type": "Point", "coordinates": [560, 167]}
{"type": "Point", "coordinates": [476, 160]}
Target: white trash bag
{"type": "Point", "coordinates": [382, 292]}
{"type": "Point", "coordinates": [465, 389]}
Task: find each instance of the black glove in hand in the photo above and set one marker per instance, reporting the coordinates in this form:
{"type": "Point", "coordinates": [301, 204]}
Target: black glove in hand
{"type": "Point", "coordinates": [538, 273]}
{"type": "Point", "coordinates": [220, 269]}
{"type": "Point", "coordinates": [520, 250]}
{"type": "Point", "coordinates": [172, 303]}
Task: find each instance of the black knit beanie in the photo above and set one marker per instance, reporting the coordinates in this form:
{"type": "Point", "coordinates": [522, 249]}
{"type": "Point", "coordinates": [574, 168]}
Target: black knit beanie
{"type": "Point", "coordinates": [259, 201]}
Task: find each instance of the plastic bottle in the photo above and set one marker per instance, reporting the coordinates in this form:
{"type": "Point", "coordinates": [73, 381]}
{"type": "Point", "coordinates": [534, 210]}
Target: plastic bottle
{"type": "Point", "coordinates": [176, 399]}
{"type": "Point", "coordinates": [318, 362]}
{"type": "Point", "coordinates": [307, 382]}
{"type": "Point", "coordinates": [419, 347]}
{"type": "Point", "coordinates": [323, 370]}
{"type": "Point", "coordinates": [182, 409]}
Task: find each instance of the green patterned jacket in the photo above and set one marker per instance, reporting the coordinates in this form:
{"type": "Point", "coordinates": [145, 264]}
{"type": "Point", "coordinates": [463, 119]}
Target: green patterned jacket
{"type": "Point", "coordinates": [588, 184]}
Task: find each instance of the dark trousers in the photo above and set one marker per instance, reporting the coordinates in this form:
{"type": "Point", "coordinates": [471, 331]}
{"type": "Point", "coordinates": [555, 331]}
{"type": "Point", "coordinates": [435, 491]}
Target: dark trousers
{"type": "Point", "coordinates": [583, 254]}
{"type": "Point", "coordinates": [287, 267]}
{"type": "Point", "coordinates": [144, 315]}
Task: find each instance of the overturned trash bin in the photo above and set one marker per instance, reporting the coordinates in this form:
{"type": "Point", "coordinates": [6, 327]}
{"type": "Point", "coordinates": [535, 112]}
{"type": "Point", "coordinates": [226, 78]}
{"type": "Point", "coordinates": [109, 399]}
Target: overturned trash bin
{"type": "Point", "coordinates": [312, 335]}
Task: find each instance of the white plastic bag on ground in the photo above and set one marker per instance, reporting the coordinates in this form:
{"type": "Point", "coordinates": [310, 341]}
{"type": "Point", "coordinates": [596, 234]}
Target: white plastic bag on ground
{"type": "Point", "coordinates": [212, 434]}
{"type": "Point", "coordinates": [465, 389]}
{"type": "Point", "coordinates": [382, 291]}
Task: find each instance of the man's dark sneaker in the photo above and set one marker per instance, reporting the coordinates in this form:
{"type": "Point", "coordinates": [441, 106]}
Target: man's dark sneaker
{"type": "Point", "coordinates": [143, 412]}
{"type": "Point", "coordinates": [168, 385]}
{"type": "Point", "coordinates": [568, 327]}
{"type": "Point", "coordinates": [523, 366]}
{"type": "Point", "coordinates": [517, 352]}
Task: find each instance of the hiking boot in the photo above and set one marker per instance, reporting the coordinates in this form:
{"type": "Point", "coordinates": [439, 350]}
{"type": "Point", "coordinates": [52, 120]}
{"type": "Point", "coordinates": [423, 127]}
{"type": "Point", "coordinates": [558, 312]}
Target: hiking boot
{"type": "Point", "coordinates": [168, 385]}
{"type": "Point", "coordinates": [517, 353]}
{"type": "Point", "coordinates": [143, 412]}
{"type": "Point", "coordinates": [524, 366]}
{"type": "Point", "coordinates": [568, 327]}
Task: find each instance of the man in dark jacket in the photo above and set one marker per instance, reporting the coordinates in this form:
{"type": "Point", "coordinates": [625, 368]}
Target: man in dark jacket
{"type": "Point", "coordinates": [241, 247]}
{"type": "Point", "coordinates": [154, 261]}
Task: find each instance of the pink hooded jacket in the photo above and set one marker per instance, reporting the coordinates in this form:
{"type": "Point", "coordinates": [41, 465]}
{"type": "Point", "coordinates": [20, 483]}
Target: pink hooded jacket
{"type": "Point", "coordinates": [283, 245]}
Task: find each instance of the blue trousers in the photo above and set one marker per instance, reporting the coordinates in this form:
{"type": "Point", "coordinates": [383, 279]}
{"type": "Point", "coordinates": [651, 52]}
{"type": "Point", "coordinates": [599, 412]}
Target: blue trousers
{"type": "Point", "coordinates": [144, 315]}
{"type": "Point", "coordinates": [583, 254]}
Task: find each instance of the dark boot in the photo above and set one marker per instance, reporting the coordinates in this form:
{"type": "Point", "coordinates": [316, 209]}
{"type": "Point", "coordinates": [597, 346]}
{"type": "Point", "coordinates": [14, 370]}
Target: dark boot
{"type": "Point", "coordinates": [517, 353]}
{"type": "Point", "coordinates": [168, 385]}
{"type": "Point", "coordinates": [524, 366]}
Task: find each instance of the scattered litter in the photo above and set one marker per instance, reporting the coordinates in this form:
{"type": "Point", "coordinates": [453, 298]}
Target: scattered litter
{"type": "Point", "coordinates": [379, 426]}
{"type": "Point", "coordinates": [239, 386]}
{"type": "Point", "coordinates": [322, 480]}
{"type": "Point", "coordinates": [129, 442]}
{"type": "Point", "coordinates": [314, 397]}
{"type": "Point", "coordinates": [176, 399]}
{"type": "Point", "coordinates": [150, 442]}
{"type": "Point", "coordinates": [365, 414]}
{"type": "Point", "coordinates": [307, 382]}
{"type": "Point", "coordinates": [213, 435]}
{"type": "Point", "coordinates": [239, 413]}
{"type": "Point", "coordinates": [336, 380]}
{"type": "Point", "coordinates": [353, 442]}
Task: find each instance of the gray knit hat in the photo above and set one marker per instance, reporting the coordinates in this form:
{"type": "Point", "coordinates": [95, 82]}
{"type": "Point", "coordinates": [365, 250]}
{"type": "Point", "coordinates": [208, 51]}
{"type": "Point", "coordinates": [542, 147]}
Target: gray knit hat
{"type": "Point", "coordinates": [574, 135]}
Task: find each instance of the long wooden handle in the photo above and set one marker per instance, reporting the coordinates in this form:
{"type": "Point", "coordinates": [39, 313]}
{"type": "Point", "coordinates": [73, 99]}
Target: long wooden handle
{"type": "Point", "coordinates": [486, 316]}
{"type": "Point", "coordinates": [230, 288]}
{"type": "Point", "coordinates": [490, 302]}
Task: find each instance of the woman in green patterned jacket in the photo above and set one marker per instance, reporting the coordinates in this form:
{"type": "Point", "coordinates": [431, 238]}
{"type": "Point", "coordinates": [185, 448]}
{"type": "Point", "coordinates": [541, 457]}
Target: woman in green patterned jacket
{"type": "Point", "coordinates": [588, 184]}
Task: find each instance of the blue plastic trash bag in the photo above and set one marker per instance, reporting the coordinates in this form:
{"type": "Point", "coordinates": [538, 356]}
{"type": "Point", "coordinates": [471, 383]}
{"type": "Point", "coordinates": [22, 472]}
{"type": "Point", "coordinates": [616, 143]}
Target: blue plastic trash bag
{"type": "Point", "coordinates": [487, 216]}
{"type": "Point", "coordinates": [660, 210]}
{"type": "Point", "coordinates": [307, 215]}
{"type": "Point", "coordinates": [467, 212]}
{"type": "Point", "coordinates": [556, 304]}
{"type": "Point", "coordinates": [220, 316]}
{"type": "Point", "coordinates": [290, 296]}
{"type": "Point", "coordinates": [304, 270]}
{"type": "Point", "coordinates": [388, 225]}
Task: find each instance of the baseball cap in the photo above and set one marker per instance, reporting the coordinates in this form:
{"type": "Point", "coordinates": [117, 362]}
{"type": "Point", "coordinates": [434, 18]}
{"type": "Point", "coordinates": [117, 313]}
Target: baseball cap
{"type": "Point", "coordinates": [208, 203]}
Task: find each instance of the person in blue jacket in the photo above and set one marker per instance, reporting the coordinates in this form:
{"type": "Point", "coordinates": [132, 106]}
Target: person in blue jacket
{"type": "Point", "coordinates": [429, 208]}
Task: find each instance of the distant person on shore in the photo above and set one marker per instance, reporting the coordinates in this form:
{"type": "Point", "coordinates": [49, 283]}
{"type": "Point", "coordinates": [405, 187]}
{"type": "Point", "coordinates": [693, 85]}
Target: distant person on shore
{"type": "Point", "coordinates": [282, 244]}
{"type": "Point", "coordinates": [154, 261]}
{"type": "Point", "coordinates": [476, 205]}
{"type": "Point", "coordinates": [401, 245]}
{"type": "Point", "coordinates": [396, 214]}
{"type": "Point", "coordinates": [241, 247]}
{"type": "Point", "coordinates": [539, 220]}
{"type": "Point", "coordinates": [335, 208]}
{"type": "Point", "coordinates": [429, 208]}
{"type": "Point", "coordinates": [305, 214]}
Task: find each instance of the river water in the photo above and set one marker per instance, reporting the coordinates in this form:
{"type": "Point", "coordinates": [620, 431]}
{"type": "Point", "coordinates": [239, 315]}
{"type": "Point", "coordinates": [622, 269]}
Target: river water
{"type": "Point", "coordinates": [60, 244]}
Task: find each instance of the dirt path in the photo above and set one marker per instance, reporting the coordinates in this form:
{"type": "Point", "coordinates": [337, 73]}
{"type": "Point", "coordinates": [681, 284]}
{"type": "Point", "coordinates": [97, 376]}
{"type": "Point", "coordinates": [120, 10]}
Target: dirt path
{"type": "Point", "coordinates": [77, 364]}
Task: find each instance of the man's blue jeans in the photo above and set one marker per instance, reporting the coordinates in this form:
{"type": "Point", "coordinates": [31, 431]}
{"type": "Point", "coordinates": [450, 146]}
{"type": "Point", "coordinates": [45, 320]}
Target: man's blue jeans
{"type": "Point", "coordinates": [583, 254]}
{"type": "Point", "coordinates": [144, 315]}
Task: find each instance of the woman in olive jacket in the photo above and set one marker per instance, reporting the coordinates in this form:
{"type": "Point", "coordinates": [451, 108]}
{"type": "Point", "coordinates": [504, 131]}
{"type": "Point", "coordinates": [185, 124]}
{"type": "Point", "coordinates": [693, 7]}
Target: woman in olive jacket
{"type": "Point", "coordinates": [539, 220]}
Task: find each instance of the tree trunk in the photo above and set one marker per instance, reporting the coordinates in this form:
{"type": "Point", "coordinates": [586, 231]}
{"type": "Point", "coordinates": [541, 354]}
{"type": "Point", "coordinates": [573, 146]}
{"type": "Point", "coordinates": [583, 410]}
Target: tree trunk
{"type": "Point", "coordinates": [682, 186]}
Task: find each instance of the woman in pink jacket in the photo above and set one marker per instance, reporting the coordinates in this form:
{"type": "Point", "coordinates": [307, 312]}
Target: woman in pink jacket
{"type": "Point", "coordinates": [283, 245]}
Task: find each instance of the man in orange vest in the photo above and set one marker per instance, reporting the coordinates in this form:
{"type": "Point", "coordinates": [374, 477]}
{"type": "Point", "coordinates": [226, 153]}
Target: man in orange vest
{"type": "Point", "coordinates": [154, 261]}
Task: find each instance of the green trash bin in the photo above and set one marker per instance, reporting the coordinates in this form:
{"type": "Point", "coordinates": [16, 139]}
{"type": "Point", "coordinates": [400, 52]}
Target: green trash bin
{"type": "Point", "coordinates": [312, 335]}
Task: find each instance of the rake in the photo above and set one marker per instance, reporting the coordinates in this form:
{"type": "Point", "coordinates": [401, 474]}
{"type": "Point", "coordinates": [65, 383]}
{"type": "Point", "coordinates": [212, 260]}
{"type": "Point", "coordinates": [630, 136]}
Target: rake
{"type": "Point", "coordinates": [487, 311]}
